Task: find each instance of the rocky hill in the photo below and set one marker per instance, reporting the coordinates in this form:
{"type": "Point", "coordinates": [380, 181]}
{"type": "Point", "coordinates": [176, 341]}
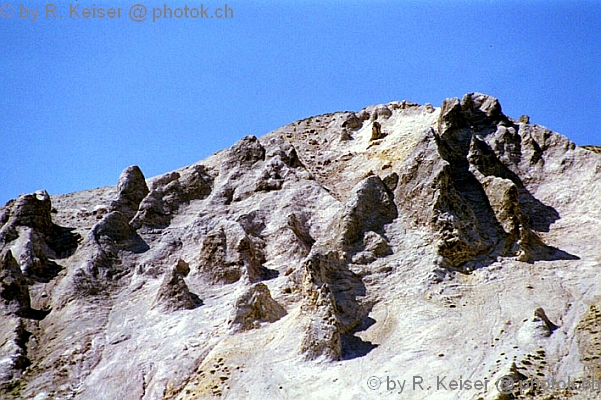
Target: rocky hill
{"type": "Point", "coordinates": [402, 251]}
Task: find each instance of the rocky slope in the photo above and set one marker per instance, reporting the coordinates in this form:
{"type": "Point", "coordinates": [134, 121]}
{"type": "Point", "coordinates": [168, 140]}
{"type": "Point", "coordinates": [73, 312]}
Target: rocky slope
{"type": "Point", "coordinates": [402, 251]}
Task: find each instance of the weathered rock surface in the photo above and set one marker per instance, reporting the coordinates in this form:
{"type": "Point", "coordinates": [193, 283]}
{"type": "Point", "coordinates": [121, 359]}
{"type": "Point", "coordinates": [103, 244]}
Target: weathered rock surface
{"type": "Point", "coordinates": [381, 112]}
{"type": "Point", "coordinates": [228, 253]}
{"type": "Point", "coordinates": [14, 290]}
{"type": "Point", "coordinates": [246, 152]}
{"type": "Point", "coordinates": [594, 149]}
{"type": "Point", "coordinates": [322, 338]}
{"type": "Point", "coordinates": [537, 327]}
{"type": "Point", "coordinates": [369, 208]}
{"type": "Point", "coordinates": [589, 343]}
{"type": "Point", "coordinates": [351, 121]}
{"type": "Point", "coordinates": [105, 246]}
{"type": "Point", "coordinates": [13, 352]}
{"type": "Point", "coordinates": [331, 307]}
{"type": "Point", "coordinates": [131, 190]}
{"type": "Point", "coordinates": [27, 229]}
{"type": "Point", "coordinates": [376, 131]}
{"type": "Point", "coordinates": [31, 210]}
{"type": "Point", "coordinates": [254, 306]}
{"type": "Point", "coordinates": [168, 193]}
{"type": "Point", "coordinates": [173, 293]}
{"type": "Point", "coordinates": [327, 261]}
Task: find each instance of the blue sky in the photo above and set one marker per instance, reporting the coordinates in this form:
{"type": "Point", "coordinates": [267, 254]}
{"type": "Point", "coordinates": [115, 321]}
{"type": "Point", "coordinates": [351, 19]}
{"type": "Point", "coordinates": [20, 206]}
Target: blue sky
{"type": "Point", "coordinates": [81, 99]}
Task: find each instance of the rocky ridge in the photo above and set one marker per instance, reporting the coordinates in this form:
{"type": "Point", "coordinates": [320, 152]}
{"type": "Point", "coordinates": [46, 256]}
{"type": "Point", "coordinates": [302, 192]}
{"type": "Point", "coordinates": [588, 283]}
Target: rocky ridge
{"type": "Point", "coordinates": [398, 241]}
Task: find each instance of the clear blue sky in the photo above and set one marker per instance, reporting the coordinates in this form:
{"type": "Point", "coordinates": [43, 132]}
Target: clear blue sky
{"type": "Point", "coordinates": [81, 99]}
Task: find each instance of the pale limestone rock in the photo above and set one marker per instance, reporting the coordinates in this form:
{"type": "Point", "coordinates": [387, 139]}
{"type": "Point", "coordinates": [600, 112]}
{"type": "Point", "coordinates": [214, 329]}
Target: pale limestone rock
{"type": "Point", "coordinates": [381, 112]}
{"type": "Point", "coordinates": [228, 253]}
{"type": "Point", "coordinates": [370, 207]}
{"type": "Point", "coordinates": [173, 294]}
{"type": "Point", "coordinates": [381, 254]}
{"type": "Point", "coordinates": [246, 152]}
{"type": "Point", "coordinates": [322, 332]}
{"type": "Point", "coordinates": [376, 131]}
{"type": "Point", "coordinates": [13, 351]}
{"type": "Point", "coordinates": [33, 238]}
{"type": "Point", "coordinates": [537, 327]}
{"type": "Point", "coordinates": [168, 193]}
{"type": "Point", "coordinates": [14, 290]}
{"type": "Point", "coordinates": [351, 121]}
{"type": "Point", "coordinates": [254, 306]}
{"type": "Point", "coordinates": [132, 189]}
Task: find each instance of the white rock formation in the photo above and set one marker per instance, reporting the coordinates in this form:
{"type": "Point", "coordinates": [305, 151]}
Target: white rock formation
{"type": "Point", "coordinates": [329, 265]}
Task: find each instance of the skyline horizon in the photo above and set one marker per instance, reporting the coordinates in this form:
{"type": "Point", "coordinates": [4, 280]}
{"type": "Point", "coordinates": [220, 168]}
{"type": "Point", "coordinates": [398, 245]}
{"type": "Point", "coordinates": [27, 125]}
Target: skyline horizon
{"type": "Point", "coordinates": [82, 99]}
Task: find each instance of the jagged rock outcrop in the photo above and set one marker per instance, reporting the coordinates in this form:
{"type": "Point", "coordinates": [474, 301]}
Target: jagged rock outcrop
{"type": "Point", "coordinates": [376, 131]}
{"type": "Point", "coordinates": [467, 225]}
{"type": "Point", "coordinates": [537, 327]}
{"type": "Point", "coordinates": [594, 149]}
{"type": "Point", "coordinates": [481, 208]}
{"type": "Point", "coordinates": [374, 247]}
{"type": "Point", "coordinates": [589, 339]}
{"type": "Point", "coordinates": [503, 197]}
{"type": "Point", "coordinates": [103, 267]}
{"type": "Point", "coordinates": [173, 294]}
{"type": "Point", "coordinates": [163, 180]}
{"type": "Point", "coordinates": [541, 316]}
{"type": "Point", "coordinates": [345, 135]}
{"type": "Point", "coordinates": [508, 385]}
{"type": "Point", "coordinates": [322, 337]}
{"type": "Point", "coordinates": [382, 112]}
{"type": "Point", "coordinates": [34, 239]}
{"type": "Point", "coordinates": [132, 189]}
{"type": "Point", "coordinates": [301, 231]}
{"type": "Point", "coordinates": [391, 181]}
{"type": "Point", "coordinates": [34, 255]}
{"type": "Point", "coordinates": [330, 304]}
{"type": "Point", "coordinates": [30, 210]}
{"type": "Point", "coordinates": [254, 306]}
{"type": "Point", "coordinates": [272, 176]}
{"type": "Point", "coordinates": [14, 290]}
{"type": "Point", "coordinates": [168, 192]}
{"type": "Point", "coordinates": [154, 210]}
{"type": "Point", "coordinates": [228, 253]}
{"type": "Point", "coordinates": [213, 258]}
{"type": "Point", "coordinates": [369, 208]}
{"type": "Point", "coordinates": [13, 352]}
{"type": "Point", "coordinates": [351, 121]}
{"type": "Point", "coordinates": [251, 169]}
{"type": "Point", "coordinates": [113, 228]}
{"type": "Point", "coordinates": [244, 153]}
{"type": "Point", "coordinates": [363, 115]}
{"type": "Point", "coordinates": [376, 254]}
{"type": "Point", "coordinates": [195, 183]}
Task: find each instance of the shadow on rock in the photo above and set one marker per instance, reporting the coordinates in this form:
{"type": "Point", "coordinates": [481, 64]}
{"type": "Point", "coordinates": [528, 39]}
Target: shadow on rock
{"type": "Point", "coordinates": [63, 241]}
{"type": "Point", "coordinates": [37, 315]}
{"type": "Point", "coordinates": [353, 346]}
{"type": "Point", "coordinates": [197, 300]}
